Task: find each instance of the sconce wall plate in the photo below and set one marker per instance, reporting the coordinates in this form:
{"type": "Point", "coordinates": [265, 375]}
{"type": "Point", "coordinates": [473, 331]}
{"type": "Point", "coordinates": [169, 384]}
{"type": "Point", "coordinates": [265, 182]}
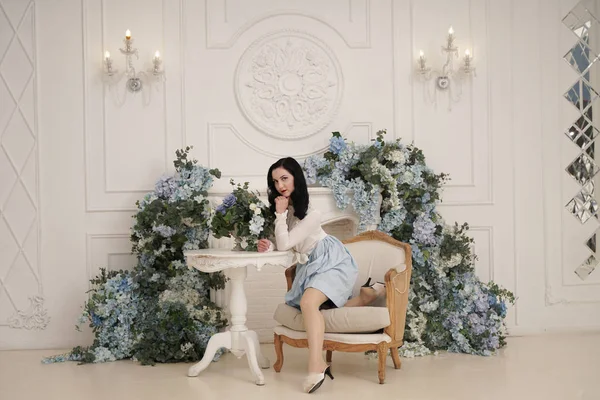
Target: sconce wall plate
{"type": "Point", "coordinates": [443, 82]}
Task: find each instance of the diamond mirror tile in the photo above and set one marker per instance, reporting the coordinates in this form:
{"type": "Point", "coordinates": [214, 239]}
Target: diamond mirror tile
{"type": "Point", "coordinates": [584, 58]}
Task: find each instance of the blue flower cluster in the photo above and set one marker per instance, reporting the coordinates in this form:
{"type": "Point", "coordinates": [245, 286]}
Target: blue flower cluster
{"type": "Point", "coordinates": [449, 307]}
{"type": "Point", "coordinates": [184, 185]}
{"type": "Point", "coordinates": [125, 308]}
{"type": "Point", "coordinates": [424, 230]}
{"type": "Point", "coordinates": [337, 144]}
{"type": "Point", "coordinates": [228, 201]}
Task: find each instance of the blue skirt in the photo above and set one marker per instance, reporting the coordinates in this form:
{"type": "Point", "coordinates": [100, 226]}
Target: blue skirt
{"type": "Point", "coordinates": [330, 268]}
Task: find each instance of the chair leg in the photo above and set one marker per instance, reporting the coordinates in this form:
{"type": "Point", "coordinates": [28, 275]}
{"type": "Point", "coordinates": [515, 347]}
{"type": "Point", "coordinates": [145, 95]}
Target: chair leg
{"type": "Point", "coordinates": [382, 351]}
{"type": "Point", "coordinates": [279, 351]}
{"type": "Point", "coordinates": [396, 357]}
{"type": "Point", "coordinates": [328, 356]}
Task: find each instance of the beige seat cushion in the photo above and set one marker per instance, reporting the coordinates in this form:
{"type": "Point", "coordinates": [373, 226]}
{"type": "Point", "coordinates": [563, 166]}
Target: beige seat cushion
{"type": "Point", "coordinates": [348, 338]}
{"type": "Point", "coordinates": [338, 320]}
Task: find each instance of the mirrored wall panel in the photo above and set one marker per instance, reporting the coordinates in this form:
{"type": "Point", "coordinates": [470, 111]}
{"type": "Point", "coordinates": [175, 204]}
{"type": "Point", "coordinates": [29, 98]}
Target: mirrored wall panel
{"type": "Point", "coordinates": [583, 57]}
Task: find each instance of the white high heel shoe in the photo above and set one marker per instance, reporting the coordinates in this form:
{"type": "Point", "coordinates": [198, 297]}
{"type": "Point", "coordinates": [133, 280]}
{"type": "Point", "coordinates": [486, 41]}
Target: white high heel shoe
{"type": "Point", "coordinates": [314, 381]}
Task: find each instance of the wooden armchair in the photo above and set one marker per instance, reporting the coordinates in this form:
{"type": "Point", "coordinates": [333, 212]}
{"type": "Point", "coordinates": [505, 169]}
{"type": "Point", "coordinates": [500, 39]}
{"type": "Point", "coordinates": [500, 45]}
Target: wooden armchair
{"type": "Point", "coordinates": [359, 329]}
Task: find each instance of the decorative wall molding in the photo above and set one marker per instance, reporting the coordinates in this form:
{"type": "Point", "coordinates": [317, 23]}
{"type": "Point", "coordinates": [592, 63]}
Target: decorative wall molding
{"type": "Point", "coordinates": [35, 318]}
{"type": "Point", "coordinates": [489, 230]}
{"type": "Point", "coordinates": [101, 193]}
{"type": "Point", "coordinates": [355, 24]}
{"type": "Point", "coordinates": [121, 245]}
{"type": "Point", "coordinates": [289, 84]}
{"type": "Point", "coordinates": [210, 144]}
{"type": "Point", "coordinates": [20, 258]}
{"type": "Point", "coordinates": [478, 36]}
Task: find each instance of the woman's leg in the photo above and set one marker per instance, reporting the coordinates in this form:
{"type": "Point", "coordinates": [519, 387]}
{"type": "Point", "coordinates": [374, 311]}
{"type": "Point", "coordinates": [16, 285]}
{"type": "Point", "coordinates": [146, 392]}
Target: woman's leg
{"type": "Point", "coordinates": [367, 296]}
{"type": "Point", "coordinates": [315, 328]}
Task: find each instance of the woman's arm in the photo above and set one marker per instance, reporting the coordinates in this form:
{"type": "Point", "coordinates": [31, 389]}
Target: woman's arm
{"type": "Point", "coordinates": [286, 240]}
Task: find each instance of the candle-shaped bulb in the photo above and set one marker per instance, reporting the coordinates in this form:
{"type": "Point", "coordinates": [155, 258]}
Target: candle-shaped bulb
{"type": "Point", "coordinates": [467, 53]}
{"type": "Point", "coordinates": [450, 44]}
{"type": "Point", "coordinates": [157, 55]}
{"type": "Point", "coordinates": [127, 34]}
{"type": "Point", "coordinates": [421, 62]}
{"type": "Point", "coordinates": [107, 54]}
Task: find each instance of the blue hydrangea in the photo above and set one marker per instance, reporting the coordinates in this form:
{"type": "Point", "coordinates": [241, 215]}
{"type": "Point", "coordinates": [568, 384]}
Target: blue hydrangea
{"type": "Point", "coordinates": [392, 220]}
{"type": "Point", "coordinates": [256, 224]}
{"type": "Point", "coordinates": [337, 145]}
{"type": "Point", "coordinates": [198, 178]}
{"type": "Point", "coordinates": [417, 254]}
{"type": "Point", "coordinates": [164, 231]}
{"type": "Point", "coordinates": [147, 259]}
{"type": "Point", "coordinates": [417, 173]}
{"type": "Point", "coordinates": [165, 187]}
{"type": "Point", "coordinates": [311, 167]}
{"type": "Point", "coordinates": [96, 321]}
{"type": "Point", "coordinates": [424, 230]}
{"type": "Point", "coordinates": [228, 201]}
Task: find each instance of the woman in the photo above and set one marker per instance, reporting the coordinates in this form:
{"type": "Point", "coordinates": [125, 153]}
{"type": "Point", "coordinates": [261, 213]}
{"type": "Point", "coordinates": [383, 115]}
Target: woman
{"type": "Point", "coordinates": [325, 271]}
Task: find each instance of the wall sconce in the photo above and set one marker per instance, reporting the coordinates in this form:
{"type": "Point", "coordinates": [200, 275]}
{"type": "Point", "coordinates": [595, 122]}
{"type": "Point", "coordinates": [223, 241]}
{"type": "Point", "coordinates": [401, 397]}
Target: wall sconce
{"type": "Point", "coordinates": [135, 80]}
{"type": "Point", "coordinates": [449, 77]}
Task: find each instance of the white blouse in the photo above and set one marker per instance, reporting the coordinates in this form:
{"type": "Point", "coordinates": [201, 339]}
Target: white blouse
{"type": "Point", "coordinates": [299, 235]}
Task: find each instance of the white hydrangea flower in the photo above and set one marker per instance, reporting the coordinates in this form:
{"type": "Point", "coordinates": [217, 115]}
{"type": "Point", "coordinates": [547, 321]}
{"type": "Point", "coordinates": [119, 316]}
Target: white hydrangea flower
{"type": "Point", "coordinates": [396, 156]}
{"type": "Point", "coordinates": [186, 347]}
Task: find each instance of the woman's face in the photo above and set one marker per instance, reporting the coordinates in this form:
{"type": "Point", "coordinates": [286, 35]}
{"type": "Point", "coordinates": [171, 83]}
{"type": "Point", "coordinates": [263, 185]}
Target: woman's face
{"type": "Point", "coordinates": [283, 181]}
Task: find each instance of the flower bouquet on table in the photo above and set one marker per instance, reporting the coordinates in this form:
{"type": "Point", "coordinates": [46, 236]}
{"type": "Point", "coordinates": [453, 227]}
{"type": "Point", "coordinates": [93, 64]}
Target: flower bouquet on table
{"type": "Point", "coordinates": [243, 216]}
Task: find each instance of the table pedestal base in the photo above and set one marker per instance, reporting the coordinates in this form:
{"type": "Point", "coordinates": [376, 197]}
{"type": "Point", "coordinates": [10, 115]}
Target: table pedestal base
{"type": "Point", "coordinates": [251, 349]}
{"type": "Point", "coordinates": [239, 340]}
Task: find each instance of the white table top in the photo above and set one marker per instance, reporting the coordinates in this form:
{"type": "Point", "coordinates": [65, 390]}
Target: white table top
{"type": "Point", "coordinates": [213, 260]}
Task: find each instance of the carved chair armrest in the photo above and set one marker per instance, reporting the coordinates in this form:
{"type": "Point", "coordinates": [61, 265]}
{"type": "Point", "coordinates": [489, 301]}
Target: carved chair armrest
{"type": "Point", "coordinates": [290, 274]}
{"type": "Point", "coordinates": [397, 286]}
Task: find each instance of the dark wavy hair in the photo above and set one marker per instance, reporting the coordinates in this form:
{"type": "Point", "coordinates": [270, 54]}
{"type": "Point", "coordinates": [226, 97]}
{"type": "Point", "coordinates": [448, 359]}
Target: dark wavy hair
{"type": "Point", "coordinates": [299, 196]}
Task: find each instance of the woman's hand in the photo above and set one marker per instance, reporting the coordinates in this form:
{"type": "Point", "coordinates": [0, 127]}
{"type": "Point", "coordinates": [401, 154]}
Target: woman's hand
{"type": "Point", "coordinates": [281, 204]}
{"type": "Point", "coordinates": [263, 245]}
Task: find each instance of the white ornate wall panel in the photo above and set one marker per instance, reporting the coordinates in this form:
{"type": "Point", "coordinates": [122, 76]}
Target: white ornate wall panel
{"type": "Point", "coordinates": [457, 142]}
{"type": "Point", "coordinates": [227, 20]}
{"type": "Point", "coordinates": [109, 251]}
{"type": "Point", "coordinates": [21, 289]}
{"type": "Point", "coordinates": [130, 138]}
{"type": "Point", "coordinates": [297, 73]}
{"type": "Point", "coordinates": [483, 247]}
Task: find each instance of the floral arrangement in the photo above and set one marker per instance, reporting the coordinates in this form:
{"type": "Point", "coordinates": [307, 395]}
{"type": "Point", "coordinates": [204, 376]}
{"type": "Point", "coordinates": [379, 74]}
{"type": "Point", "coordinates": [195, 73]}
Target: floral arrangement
{"type": "Point", "coordinates": [160, 311]}
{"type": "Point", "coordinates": [449, 308]}
{"type": "Point", "coordinates": [243, 216]}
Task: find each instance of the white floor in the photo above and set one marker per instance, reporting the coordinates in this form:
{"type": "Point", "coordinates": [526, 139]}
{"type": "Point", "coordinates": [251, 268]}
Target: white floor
{"type": "Point", "coordinates": [549, 367]}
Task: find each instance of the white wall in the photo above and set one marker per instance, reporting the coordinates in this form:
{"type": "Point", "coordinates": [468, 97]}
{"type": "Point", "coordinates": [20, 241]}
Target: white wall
{"type": "Point", "coordinates": [503, 143]}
